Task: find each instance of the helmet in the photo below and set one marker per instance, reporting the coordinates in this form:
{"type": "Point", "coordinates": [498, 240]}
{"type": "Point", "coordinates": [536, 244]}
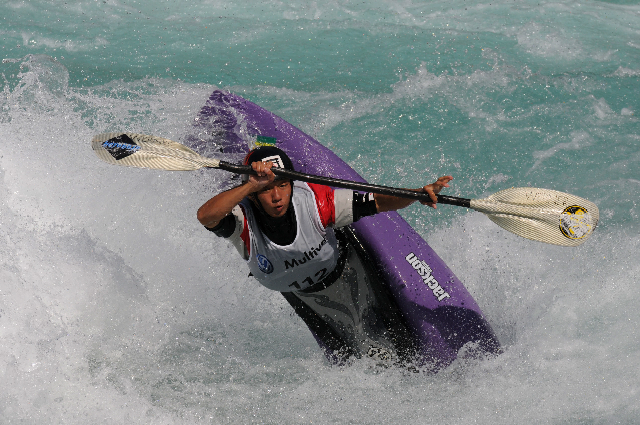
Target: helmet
{"type": "Point", "coordinates": [268, 153]}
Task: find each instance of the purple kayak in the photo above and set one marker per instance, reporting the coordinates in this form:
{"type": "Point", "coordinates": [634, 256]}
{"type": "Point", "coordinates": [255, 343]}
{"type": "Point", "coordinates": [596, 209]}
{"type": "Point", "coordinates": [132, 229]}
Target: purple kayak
{"type": "Point", "coordinates": [434, 305]}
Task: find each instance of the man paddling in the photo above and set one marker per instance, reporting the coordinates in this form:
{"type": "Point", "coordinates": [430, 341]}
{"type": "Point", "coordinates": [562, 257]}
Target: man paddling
{"type": "Point", "coordinates": [285, 232]}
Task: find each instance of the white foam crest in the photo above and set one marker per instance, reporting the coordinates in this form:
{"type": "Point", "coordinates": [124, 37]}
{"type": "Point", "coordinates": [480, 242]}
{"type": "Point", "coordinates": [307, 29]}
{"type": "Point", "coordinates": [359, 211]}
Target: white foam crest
{"type": "Point", "coordinates": [579, 140]}
{"type": "Point", "coordinates": [462, 90]}
{"type": "Point", "coordinates": [105, 266]}
{"type": "Point", "coordinates": [626, 72]}
{"type": "Point", "coordinates": [543, 40]}
{"type": "Point", "coordinates": [33, 40]}
{"type": "Point", "coordinates": [41, 79]}
{"type": "Point", "coordinates": [565, 315]}
{"type": "Point", "coordinates": [496, 179]}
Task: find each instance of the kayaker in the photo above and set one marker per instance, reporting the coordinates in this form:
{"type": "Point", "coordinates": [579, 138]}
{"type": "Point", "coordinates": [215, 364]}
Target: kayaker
{"type": "Point", "coordinates": [285, 232]}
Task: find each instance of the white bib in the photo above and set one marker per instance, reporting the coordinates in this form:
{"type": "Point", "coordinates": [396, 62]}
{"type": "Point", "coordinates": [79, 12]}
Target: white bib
{"type": "Point", "coordinates": [307, 260]}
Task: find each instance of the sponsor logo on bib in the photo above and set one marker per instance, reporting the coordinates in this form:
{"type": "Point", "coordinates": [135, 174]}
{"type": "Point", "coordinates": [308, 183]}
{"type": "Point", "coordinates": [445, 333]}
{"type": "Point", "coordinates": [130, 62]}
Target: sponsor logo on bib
{"type": "Point", "coordinates": [308, 255]}
{"type": "Point", "coordinates": [264, 264]}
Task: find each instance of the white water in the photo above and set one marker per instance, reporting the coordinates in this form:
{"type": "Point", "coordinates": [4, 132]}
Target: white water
{"type": "Point", "coordinates": [117, 307]}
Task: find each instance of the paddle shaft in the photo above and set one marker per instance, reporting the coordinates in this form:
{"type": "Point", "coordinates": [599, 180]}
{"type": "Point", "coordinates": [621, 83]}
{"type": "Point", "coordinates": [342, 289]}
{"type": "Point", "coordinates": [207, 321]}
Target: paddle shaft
{"type": "Point", "coordinates": [537, 214]}
{"type": "Point", "coordinates": [346, 184]}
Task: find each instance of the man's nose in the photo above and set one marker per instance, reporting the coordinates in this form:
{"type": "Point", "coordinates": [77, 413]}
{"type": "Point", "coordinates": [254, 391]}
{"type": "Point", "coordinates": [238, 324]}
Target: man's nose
{"type": "Point", "coordinates": [276, 195]}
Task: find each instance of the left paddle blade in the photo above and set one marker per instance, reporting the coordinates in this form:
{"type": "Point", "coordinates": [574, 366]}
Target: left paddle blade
{"type": "Point", "coordinates": [541, 214]}
{"type": "Point", "coordinates": [139, 150]}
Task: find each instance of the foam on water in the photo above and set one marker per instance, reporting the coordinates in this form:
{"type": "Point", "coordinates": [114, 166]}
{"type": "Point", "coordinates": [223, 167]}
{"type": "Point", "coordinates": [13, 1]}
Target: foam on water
{"type": "Point", "coordinates": [117, 307]}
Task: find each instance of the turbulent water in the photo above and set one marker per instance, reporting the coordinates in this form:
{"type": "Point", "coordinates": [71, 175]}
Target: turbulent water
{"type": "Point", "coordinates": [117, 307]}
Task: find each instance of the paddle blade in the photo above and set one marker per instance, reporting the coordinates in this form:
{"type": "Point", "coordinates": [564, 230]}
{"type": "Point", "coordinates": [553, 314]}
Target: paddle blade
{"type": "Point", "coordinates": [139, 150]}
{"type": "Point", "coordinates": [541, 215]}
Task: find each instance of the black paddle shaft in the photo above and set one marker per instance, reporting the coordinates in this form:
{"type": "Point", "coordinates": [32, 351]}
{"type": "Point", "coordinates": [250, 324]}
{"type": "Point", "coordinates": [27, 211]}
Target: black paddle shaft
{"type": "Point", "coordinates": [347, 184]}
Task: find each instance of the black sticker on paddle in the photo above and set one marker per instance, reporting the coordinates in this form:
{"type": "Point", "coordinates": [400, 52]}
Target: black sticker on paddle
{"type": "Point", "coordinates": [121, 146]}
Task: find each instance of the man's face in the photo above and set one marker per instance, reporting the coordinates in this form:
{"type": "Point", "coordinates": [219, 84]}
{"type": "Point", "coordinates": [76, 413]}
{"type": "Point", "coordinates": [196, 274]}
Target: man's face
{"type": "Point", "coordinates": [276, 197]}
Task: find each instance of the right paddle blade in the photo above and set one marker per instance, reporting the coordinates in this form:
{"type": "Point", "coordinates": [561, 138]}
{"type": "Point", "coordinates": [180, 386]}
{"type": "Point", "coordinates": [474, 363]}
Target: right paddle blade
{"type": "Point", "coordinates": [139, 150]}
{"type": "Point", "coordinates": [541, 215]}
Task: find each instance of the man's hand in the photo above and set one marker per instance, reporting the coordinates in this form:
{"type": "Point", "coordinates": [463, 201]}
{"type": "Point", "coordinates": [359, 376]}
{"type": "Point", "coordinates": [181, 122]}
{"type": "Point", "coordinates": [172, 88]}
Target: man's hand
{"type": "Point", "coordinates": [265, 175]}
{"type": "Point", "coordinates": [434, 188]}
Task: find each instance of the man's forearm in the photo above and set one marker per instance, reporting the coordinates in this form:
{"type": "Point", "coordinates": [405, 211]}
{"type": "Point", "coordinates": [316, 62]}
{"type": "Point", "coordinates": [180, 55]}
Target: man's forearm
{"type": "Point", "coordinates": [217, 208]}
{"type": "Point", "coordinates": [392, 203]}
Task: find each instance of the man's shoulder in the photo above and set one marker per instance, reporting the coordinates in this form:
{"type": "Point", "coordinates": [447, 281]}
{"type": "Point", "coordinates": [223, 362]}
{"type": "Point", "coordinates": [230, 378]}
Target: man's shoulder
{"type": "Point", "coordinates": [235, 229]}
{"type": "Point", "coordinates": [324, 200]}
{"type": "Point", "coordinates": [319, 190]}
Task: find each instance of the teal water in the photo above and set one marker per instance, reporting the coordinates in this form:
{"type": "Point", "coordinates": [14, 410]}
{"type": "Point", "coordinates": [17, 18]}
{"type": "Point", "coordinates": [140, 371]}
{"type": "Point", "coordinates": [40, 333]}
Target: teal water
{"type": "Point", "coordinates": [116, 307]}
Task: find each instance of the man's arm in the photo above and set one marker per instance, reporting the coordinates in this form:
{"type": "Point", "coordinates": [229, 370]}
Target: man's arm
{"type": "Point", "coordinates": [217, 208]}
{"type": "Point", "coordinates": [393, 203]}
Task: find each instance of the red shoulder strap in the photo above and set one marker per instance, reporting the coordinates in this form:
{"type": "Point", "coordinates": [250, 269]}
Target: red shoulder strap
{"type": "Point", "coordinates": [245, 230]}
{"type": "Point", "coordinates": [325, 203]}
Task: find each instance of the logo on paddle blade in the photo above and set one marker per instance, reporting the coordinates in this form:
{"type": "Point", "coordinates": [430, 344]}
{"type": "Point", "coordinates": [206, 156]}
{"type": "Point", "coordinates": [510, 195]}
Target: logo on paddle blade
{"type": "Point", "coordinates": [121, 146]}
{"type": "Point", "coordinates": [264, 264]}
{"type": "Point", "coordinates": [575, 222]}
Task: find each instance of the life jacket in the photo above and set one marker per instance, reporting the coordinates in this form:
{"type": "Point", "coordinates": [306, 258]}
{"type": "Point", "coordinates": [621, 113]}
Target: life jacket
{"type": "Point", "coordinates": [308, 260]}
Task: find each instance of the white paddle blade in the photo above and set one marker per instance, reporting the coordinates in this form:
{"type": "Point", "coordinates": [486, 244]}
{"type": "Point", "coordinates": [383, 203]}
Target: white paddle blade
{"type": "Point", "coordinates": [541, 215]}
{"type": "Point", "coordinates": [139, 150]}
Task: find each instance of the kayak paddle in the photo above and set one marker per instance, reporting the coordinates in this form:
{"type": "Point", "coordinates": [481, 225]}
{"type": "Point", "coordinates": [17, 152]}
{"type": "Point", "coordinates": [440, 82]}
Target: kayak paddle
{"type": "Point", "coordinates": [539, 214]}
